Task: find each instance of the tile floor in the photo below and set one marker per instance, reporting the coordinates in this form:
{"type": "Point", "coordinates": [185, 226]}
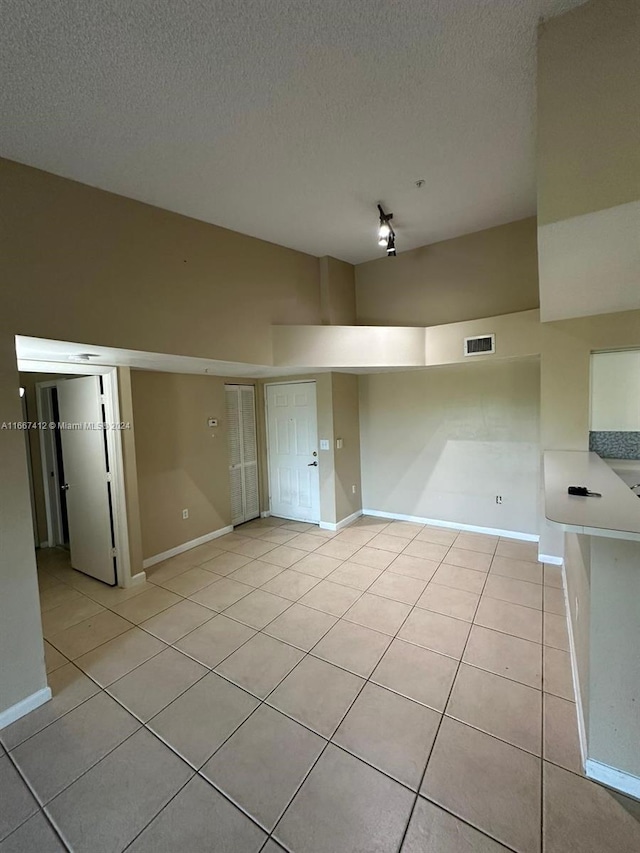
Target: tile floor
{"type": "Point", "coordinates": [393, 687]}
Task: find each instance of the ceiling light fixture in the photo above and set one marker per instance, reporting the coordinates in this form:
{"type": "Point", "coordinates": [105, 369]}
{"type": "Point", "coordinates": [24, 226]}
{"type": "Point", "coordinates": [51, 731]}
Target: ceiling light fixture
{"type": "Point", "coordinates": [386, 234]}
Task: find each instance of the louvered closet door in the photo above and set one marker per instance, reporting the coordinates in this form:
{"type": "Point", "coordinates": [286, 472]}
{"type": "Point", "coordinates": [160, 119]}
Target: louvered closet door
{"type": "Point", "coordinates": [243, 452]}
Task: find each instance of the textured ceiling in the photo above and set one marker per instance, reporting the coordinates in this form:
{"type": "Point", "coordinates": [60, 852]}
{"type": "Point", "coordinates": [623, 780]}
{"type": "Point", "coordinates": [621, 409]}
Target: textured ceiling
{"type": "Point", "coordinates": [284, 119]}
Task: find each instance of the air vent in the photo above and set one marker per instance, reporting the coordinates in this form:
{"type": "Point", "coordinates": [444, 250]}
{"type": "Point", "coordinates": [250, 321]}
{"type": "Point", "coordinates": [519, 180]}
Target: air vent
{"type": "Point", "coordinates": [482, 345]}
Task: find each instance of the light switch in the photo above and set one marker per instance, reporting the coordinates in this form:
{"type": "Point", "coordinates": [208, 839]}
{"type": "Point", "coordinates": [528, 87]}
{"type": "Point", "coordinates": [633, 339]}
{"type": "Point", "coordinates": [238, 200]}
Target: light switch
{"type": "Point", "coordinates": [338, 444]}
{"type": "Point", "coordinates": [324, 444]}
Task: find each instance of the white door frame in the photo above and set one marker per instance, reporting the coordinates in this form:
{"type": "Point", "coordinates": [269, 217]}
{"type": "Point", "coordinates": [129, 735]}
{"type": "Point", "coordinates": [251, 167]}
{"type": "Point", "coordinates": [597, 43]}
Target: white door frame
{"type": "Point", "coordinates": [266, 427]}
{"type": "Point", "coordinates": [114, 448]}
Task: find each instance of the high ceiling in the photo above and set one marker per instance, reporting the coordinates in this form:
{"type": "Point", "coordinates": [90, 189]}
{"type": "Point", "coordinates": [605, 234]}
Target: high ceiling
{"type": "Point", "coordinates": [284, 119]}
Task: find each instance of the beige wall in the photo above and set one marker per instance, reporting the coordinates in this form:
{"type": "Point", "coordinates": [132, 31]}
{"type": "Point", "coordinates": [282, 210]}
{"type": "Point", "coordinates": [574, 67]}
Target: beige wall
{"type": "Point", "coordinates": [478, 275]}
{"type": "Point", "coordinates": [181, 462]}
{"type": "Point", "coordinates": [442, 443]}
{"type": "Point", "coordinates": [588, 115]}
{"type": "Point", "coordinates": [337, 292]}
{"type": "Point", "coordinates": [346, 426]}
{"type": "Point", "coordinates": [578, 574]}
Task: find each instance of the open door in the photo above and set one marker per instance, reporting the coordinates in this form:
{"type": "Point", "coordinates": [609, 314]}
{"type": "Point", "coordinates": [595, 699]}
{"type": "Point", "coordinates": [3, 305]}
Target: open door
{"type": "Point", "coordinates": [87, 478]}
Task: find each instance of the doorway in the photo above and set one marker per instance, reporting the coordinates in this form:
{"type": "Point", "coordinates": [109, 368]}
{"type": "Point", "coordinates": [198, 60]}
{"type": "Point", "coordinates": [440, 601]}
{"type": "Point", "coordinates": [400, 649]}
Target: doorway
{"type": "Point", "coordinates": [292, 444]}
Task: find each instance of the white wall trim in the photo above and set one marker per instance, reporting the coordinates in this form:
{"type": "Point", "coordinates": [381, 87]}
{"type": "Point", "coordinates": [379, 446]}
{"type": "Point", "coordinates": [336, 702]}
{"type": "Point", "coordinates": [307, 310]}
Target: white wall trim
{"type": "Point", "coordinates": [552, 561]}
{"type": "Point", "coordinates": [265, 513]}
{"type": "Point", "coordinates": [25, 706]}
{"type": "Point", "coordinates": [627, 783]}
{"type": "Point", "coordinates": [186, 546]}
{"type": "Point", "coordinates": [137, 579]}
{"type": "Point", "coordinates": [345, 522]}
{"type": "Point", "coordinates": [454, 525]}
{"type": "Point", "coordinates": [582, 731]}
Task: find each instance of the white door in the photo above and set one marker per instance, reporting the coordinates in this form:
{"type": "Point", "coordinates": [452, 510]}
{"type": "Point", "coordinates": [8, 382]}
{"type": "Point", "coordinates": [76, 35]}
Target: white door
{"type": "Point", "coordinates": [292, 427]}
{"type": "Point", "coordinates": [86, 474]}
{"type": "Point", "coordinates": [243, 452]}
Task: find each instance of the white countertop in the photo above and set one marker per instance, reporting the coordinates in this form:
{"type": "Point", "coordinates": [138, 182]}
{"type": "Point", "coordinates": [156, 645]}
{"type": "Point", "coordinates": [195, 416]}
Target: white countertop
{"type": "Point", "coordinates": [616, 514]}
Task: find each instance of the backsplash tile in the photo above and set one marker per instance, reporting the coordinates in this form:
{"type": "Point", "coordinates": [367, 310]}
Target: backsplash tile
{"type": "Point", "coordinates": [614, 444]}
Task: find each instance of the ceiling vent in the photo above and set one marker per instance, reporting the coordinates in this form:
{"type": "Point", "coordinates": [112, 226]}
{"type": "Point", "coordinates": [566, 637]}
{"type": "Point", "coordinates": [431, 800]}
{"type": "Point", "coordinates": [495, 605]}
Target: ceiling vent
{"type": "Point", "coordinates": [481, 345]}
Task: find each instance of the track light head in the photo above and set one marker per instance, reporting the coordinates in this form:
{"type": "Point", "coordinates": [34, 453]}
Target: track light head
{"type": "Point", "coordinates": [386, 234]}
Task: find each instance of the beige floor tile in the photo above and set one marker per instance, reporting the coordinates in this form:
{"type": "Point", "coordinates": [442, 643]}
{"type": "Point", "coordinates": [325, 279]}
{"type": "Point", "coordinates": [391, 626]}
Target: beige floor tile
{"type": "Point", "coordinates": [458, 577]}
{"type": "Point", "coordinates": [318, 565]}
{"type": "Point", "coordinates": [272, 847]}
{"type": "Point", "coordinates": [314, 530]}
{"type": "Point", "coordinates": [156, 683]}
{"type": "Point", "coordinates": [332, 598]}
{"type": "Point", "coordinates": [416, 673]}
{"type": "Point", "coordinates": [57, 595]}
{"type": "Point", "coordinates": [557, 678]}
{"type": "Point", "coordinates": [45, 580]}
{"type": "Point", "coordinates": [88, 635]}
{"type": "Point", "coordinates": [580, 815]}
{"type": "Point", "coordinates": [261, 766]}
{"type": "Point", "coordinates": [212, 642]}
{"type": "Point", "coordinates": [205, 552]}
{"type": "Point", "coordinates": [55, 757]}
{"type": "Point", "coordinates": [254, 548]}
{"type": "Point", "coordinates": [355, 536]}
{"type": "Point", "coordinates": [52, 658]}
{"type": "Point", "coordinates": [345, 806]}
{"type": "Point", "coordinates": [119, 656]}
{"type": "Point", "coordinates": [552, 576]}
{"type": "Point", "coordinates": [353, 647]}
{"type": "Point", "coordinates": [226, 563]}
{"type": "Point", "coordinates": [298, 526]}
{"type": "Point", "coordinates": [305, 542]}
{"type": "Point", "coordinates": [17, 802]}
{"type": "Point", "coordinates": [300, 626]}
{"type": "Point", "coordinates": [405, 529]}
{"type": "Point", "coordinates": [556, 633]}
{"type": "Point", "coordinates": [436, 632]}
{"type": "Point", "coordinates": [561, 743]}
{"type": "Point", "coordinates": [188, 582]}
{"type": "Point", "coordinates": [193, 819]}
{"type": "Point", "coordinates": [146, 605]}
{"type": "Point", "coordinates": [518, 550]}
{"type": "Point", "coordinates": [488, 783]}
{"type": "Point", "coordinates": [476, 560]}
{"type": "Point", "coordinates": [480, 542]}
{"type": "Point", "coordinates": [390, 732]}
{"type": "Point", "coordinates": [170, 568]}
{"type": "Point", "coordinates": [69, 687]}
{"type": "Point", "coordinates": [277, 535]}
{"type": "Point", "coordinates": [260, 665]}
{"type": "Point", "coordinates": [201, 719]}
{"type": "Point", "coordinates": [290, 584]}
{"type": "Point", "coordinates": [110, 596]}
{"type": "Point", "coordinates": [98, 814]}
{"type": "Point", "coordinates": [385, 542]}
{"type": "Point", "coordinates": [34, 836]}
{"type": "Point", "coordinates": [353, 575]}
{"type": "Point", "coordinates": [498, 706]}
{"type": "Point", "coordinates": [434, 830]}
{"type": "Point", "coordinates": [510, 618]}
{"type": "Point", "coordinates": [437, 535]}
{"type": "Point", "coordinates": [520, 570]}
{"type": "Point", "coordinates": [317, 695]}
{"type": "Point", "coordinates": [65, 615]}
{"type": "Point", "coordinates": [221, 594]}
{"type": "Point", "coordinates": [517, 592]}
{"type": "Point", "coordinates": [414, 567]}
{"type": "Point", "coordinates": [258, 608]}
{"type": "Point", "coordinates": [371, 522]}
{"type": "Point", "coordinates": [378, 613]}
{"type": "Point", "coordinates": [256, 573]}
{"type": "Point", "coordinates": [426, 550]}
{"type": "Point", "coordinates": [177, 621]}
{"type": "Point", "coordinates": [374, 558]}
{"type": "Point", "coordinates": [338, 550]}
{"type": "Point", "coordinates": [398, 587]}
{"type": "Point", "coordinates": [505, 655]}
{"type": "Point", "coordinates": [554, 601]}
{"type": "Point", "coordinates": [284, 556]}
{"type": "Point", "coordinates": [448, 601]}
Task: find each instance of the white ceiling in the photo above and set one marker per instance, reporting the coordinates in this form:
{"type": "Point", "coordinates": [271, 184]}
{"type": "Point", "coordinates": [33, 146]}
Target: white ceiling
{"type": "Point", "coordinates": [284, 119]}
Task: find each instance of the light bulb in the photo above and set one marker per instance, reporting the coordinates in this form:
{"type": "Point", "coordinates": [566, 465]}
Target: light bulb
{"type": "Point", "coordinates": [384, 231]}
{"type": "Point", "coordinates": [382, 241]}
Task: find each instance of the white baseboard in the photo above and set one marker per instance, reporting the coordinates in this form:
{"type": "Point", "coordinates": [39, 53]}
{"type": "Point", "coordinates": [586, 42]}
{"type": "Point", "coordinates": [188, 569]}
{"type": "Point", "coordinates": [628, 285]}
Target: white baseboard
{"type": "Point", "coordinates": [137, 579]}
{"type": "Point", "coordinates": [619, 780]}
{"type": "Point", "coordinates": [265, 514]}
{"type": "Point", "coordinates": [582, 731]}
{"type": "Point", "coordinates": [552, 561]}
{"type": "Point", "coordinates": [186, 546]}
{"type": "Point", "coordinates": [345, 522]}
{"type": "Point", "coordinates": [10, 715]}
{"type": "Point", "coordinates": [454, 525]}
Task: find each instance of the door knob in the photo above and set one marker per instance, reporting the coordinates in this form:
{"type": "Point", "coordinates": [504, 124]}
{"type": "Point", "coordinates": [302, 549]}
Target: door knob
{"type": "Point", "coordinates": [64, 488]}
{"type": "Point", "coordinates": [312, 465]}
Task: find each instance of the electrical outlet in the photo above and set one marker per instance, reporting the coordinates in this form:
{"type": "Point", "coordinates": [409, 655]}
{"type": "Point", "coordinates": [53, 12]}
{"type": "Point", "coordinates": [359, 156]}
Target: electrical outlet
{"type": "Point", "coordinates": [185, 513]}
{"type": "Point", "coordinates": [498, 499]}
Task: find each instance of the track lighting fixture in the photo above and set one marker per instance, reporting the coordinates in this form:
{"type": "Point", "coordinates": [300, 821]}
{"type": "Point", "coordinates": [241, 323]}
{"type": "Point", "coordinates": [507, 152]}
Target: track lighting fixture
{"type": "Point", "coordinates": [386, 234]}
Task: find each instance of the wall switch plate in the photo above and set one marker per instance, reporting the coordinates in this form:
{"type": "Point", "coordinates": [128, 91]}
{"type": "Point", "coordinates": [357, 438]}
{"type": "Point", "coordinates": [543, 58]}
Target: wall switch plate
{"type": "Point", "coordinates": [212, 422]}
{"type": "Point", "coordinates": [339, 444]}
{"type": "Point", "coordinates": [185, 513]}
{"type": "Point", "coordinates": [324, 444]}
{"type": "Point", "coordinates": [353, 489]}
